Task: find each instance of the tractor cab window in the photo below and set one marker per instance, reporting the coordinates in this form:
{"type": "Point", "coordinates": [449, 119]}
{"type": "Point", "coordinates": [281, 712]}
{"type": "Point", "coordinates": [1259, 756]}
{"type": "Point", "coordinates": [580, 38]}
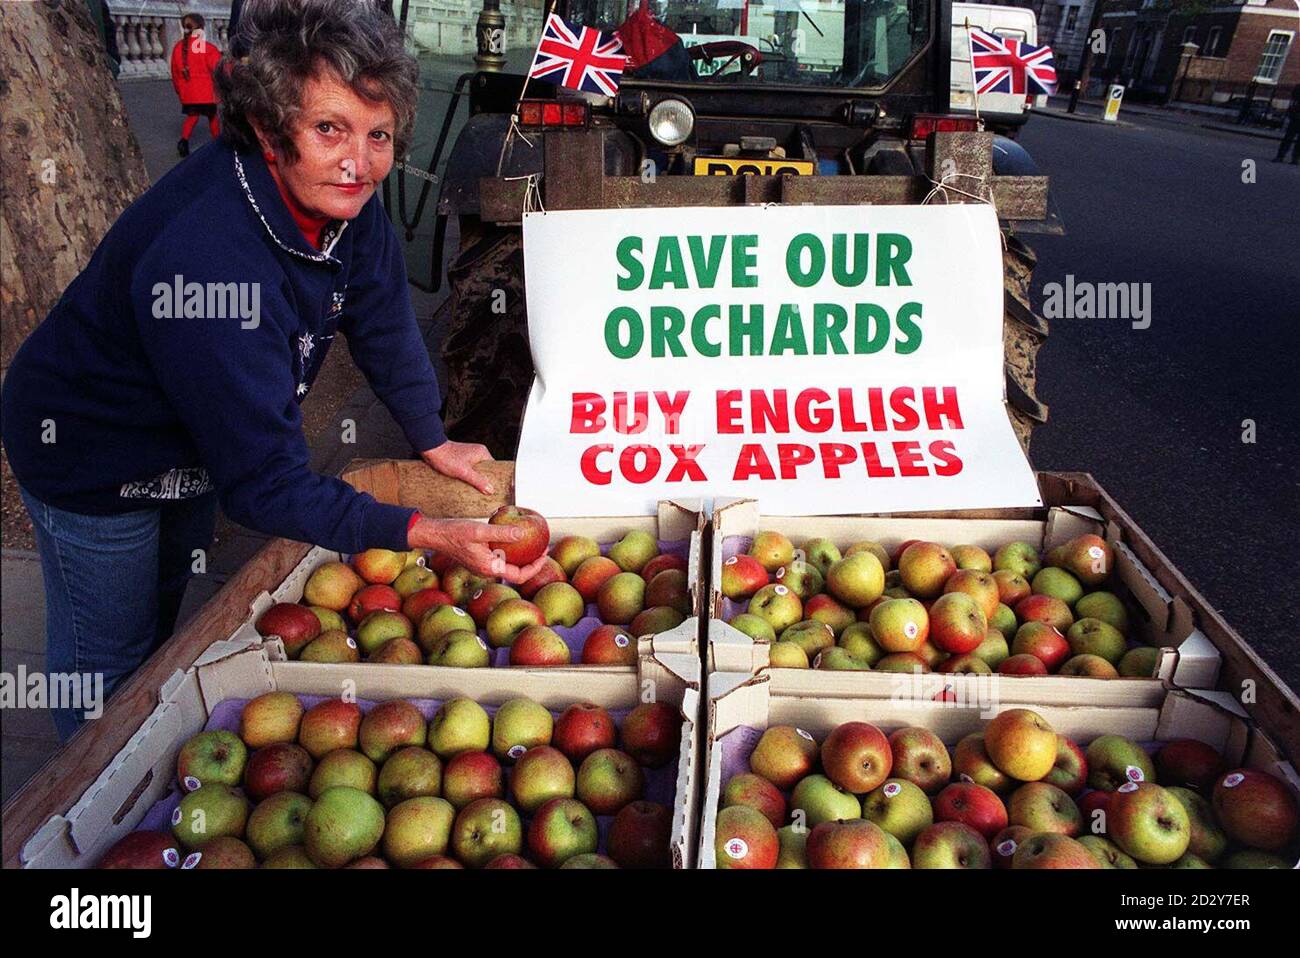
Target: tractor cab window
{"type": "Point", "coordinates": [840, 43]}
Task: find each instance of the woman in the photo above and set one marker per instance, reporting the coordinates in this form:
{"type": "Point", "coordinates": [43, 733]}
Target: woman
{"type": "Point", "coordinates": [193, 61]}
{"type": "Point", "coordinates": [169, 374]}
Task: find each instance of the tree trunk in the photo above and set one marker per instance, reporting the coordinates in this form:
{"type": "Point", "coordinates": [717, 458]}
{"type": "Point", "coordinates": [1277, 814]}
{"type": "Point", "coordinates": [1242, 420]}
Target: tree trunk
{"type": "Point", "coordinates": [70, 163]}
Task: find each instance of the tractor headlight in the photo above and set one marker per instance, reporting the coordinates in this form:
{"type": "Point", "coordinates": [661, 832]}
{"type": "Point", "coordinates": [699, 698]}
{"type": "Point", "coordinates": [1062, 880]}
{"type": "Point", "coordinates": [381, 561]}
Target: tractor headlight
{"type": "Point", "coordinates": [671, 122]}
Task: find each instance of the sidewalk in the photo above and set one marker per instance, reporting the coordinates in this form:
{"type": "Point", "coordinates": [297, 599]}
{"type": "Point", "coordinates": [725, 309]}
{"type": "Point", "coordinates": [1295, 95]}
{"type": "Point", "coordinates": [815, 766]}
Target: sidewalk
{"type": "Point", "coordinates": [1090, 111]}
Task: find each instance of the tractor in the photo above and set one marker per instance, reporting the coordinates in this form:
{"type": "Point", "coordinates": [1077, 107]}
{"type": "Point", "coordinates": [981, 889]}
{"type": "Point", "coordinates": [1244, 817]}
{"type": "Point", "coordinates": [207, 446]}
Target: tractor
{"type": "Point", "coordinates": [725, 102]}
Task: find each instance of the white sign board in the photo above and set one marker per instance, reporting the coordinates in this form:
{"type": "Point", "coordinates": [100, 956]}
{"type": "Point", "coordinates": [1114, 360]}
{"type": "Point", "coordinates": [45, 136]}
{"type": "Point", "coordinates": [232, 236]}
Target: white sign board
{"type": "Point", "coordinates": [825, 360]}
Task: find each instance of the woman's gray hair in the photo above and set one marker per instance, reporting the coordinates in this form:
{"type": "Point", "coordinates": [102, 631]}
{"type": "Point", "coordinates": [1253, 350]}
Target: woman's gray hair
{"type": "Point", "coordinates": [291, 41]}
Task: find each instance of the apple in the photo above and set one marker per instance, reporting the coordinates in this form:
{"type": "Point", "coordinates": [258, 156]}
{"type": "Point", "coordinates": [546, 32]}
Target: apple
{"type": "Point", "coordinates": [1089, 558]}
{"type": "Point", "coordinates": [440, 620]}
{"type": "Point", "coordinates": [142, 849]}
{"type": "Point", "coordinates": [331, 586]}
{"type": "Point", "coordinates": [920, 757]}
{"type": "Point", "coordinates": [296, 625]}
{"type": "Point", "coordinates": [1022, 664]}
{"type": "Point", "coordinates": [839, 659]}
{"type": "Point", "coordinates": [343, 766]}
{"type": "Point", "coordinates": [784, 755]}
{"type": "Point", "coordinates": [757, 792]}
{"type": "Point", "coordinates": [509, 861]}
{"type": "Point", "coordinates": [856, 756]}
{"type": "Point", "coordinates": [980, 586]}
{"type": "Point", "coordinates": [413, 580]}
{"type": "Point", "coordinates": [373, 598]}
{"type": "Point", "coordinates": [460, 648]}
{"type": "Point", "coordinates": [379, 566]}
{"type": "Point", "coordinates": [1114, 760]}
{"type": "Point", "coordinates": [214, 756]}
{"type": "Point", "coordinates": [484, 829]}
{"type": "Point", "coordinates": [209, 812]}
{"type": "Point", "coordinates": [1255, 809]}
{"type": "Point", "coordinates": [993, 649]}
{"type": "Point", "coordinates": [592, 575]}
{"type": "Point", "coordinates": [470, 776]}
{"type": "Point", "coordinates": [801, 578]}
{"type": "Point", "coordinates": [818, 800]}
{"type": "Point", "coordinates": [551, 571]}
{"type": "Point", "coordinates": [903, 547]}
{"type": "Point", "coordinates": [793, 852]}
{"type": "Point", "coordinates": [520, 724]}
{"type": "Point", "coordinates": [539, 646]}
{"type": "Point", "coordinates": [561, 829]}
{"type": "Point", "coordinates": [742, 576]}
{"type": "Point", "coordinates": [621, 598]}
{"type": "Point", "coordinates": [754, 626]}
{"type": "Point", "coordinates": [583, 728]}
{"type": "Point", "coordinates": [822, 553]}
{"type": "Point", "coordinates": [634, 550]}
{"type": "Point", "coordinates": [1052, 851]}
{"type": "Point", "coordinates": [608, 779]}
{"type": "Point", "coordinates": [772, 550]}
{"type": "Point", "coordinates": [1043, 642]}
{"type": "Point", "coordinates": [560, 604]}
{"type": "Point", "coordinates": [222, 853]}
{"type": "Point", "coordinates": [410, 772]}
{"type": "Point", "coordinates": [1058, 583]}
{"type": "Point", "coordinates": [609, 645]}
{"type": "Point", "coordinates": [901, 662]}
{"type": "Point", "coordinates": [541, 774]}
{"type": "Point", "coordinates": [640, 836]}
{"type": "Point", "coordinates": [849, 844]}
{"type": "Point", "coordinates": [293, 856]}
{"type": "Point", "coordinates": [589, 860]}
{"type": "Point", "coordinates": [1021, 743]}
{"type": "Point", "coordinates": [461, 584]}
{"type": "Point", "coordinates": [812, 637]}
{"type": "Point", "coordinates": [1070, 772]}
{"type": "Point", "coordinates": [951, 845]}
{"type": "Point", "coordinates": [417, 829]}
{"type": "Point", "coordinates": [661, 563]}
{"type": "Point", "coordinates": [1012, 587]}
{"type": "Point", "coordinates": [532, 543]}
{"type": "Point", "coordinates": [1148, 823]}
{"type": "Point", "coordinates": [484, 600]}
{"type": "Point", "coordinates": [900, 808]}
{"type": "Point", "coordinates": [1106, 853]}
{"type": "Point", "coordinates": [1190, 762]}
{"type": "Point", "coordinates": [271, 717]}
{"type": "Point", "coordinates": [397, 651]}
{"type": "Point", "coordinates": [278, 821]}
{"type": "Point", "coordinates": [777, 606]}
{"type": "Point", "coordinates": [875, 548]}
{"type": "Point", "coordinates": [973, 805]}
{"type": "Point", "coordinates": [957, 624]}
{"type": "Point", "coordinates": [652, 733]}
{"type": "Point", "coordinates": [1208, 841]}
{"type": "Point", "coordinates": [509, 619]}
{"type": "Point", "coordinates": [1018, 557]}
{"type": "Point", "coordinates": [1095, 637]}
{"type": "Point", "coordinates": [1044, 808]}
{"type": "Point", "coordinates": [744, 839]}
{"type": "Point", "coordinates": [1046, 609]}
{"type": "Point", "coordinates": [1088, 666]}
{"type": "Point", "coordinates": [669, 588]}
{"type": "Point", "coordinates": [971, 762]}
{"type": "Point", "coordinates": [1106, 607]}
{"type": "Point", "coordinates": [856, 580]}
{"type": "Point", "coordinates": [328, 618]}
{"type": "Point", "coordinates": [787, 655]}
{"type": "Point", "coordinates": [389, 726]}
{"type": "Point", "coordinates": [972, 557]}
{"type": "Point", "coordinates": [459, 725]}
{"type": "Point", "coordinates": [572, 551]}
{"type": "Point", "coordinates": [283, 767]}
{"type": "Point", "coordinates": [377, 628]}
{"type": "Point", "coordinates": [1139, 663]}
{"type": "Point", "coordinates": [1093, 806]}
{"type": "Point", "coordinates": [924, 568]}
{"type": "Point", "coordinates": [652, 621]}
{"type": "Point", "coordinates": [900, 625]}
{"type": "Point", "coordinates": [826, 610]}
{"type": "Point", "coordinates": [965, 664]}
{"type": "Point", "coordinates": [1248, 858]}
{"type": "Point", "coordinates": [860, 642]}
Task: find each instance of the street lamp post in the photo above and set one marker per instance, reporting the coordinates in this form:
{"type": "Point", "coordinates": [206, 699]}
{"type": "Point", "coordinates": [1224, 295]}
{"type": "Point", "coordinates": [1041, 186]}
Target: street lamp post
{"type": "Point", "coordinates": [1085, 68]}
{"type": "Point", "coordinates": [491, 34]}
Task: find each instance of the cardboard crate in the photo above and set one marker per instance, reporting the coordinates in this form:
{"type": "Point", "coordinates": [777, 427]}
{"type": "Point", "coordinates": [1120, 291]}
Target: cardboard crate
{"type": "Point", "coordinates": [143, 773]}
{"type": "Point", "coordinates": [743, 705]}
{"type": "Point", "coordinates": [1188, 658]}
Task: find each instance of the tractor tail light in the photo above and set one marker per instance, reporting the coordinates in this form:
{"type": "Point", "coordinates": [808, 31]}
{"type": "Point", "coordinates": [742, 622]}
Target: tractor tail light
{"type": "Point", "coordinates": [926, 123]}
{"type": "Point", "coordinates": [554, 113]}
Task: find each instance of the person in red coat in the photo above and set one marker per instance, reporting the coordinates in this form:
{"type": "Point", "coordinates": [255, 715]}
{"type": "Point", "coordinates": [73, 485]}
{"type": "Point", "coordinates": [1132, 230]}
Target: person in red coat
{"type": "Point", "coordinates": [193, 59]}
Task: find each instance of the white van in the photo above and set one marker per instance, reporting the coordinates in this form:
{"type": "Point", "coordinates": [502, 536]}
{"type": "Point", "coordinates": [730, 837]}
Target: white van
{"type": "Point", "coordinates": [1017, 23]}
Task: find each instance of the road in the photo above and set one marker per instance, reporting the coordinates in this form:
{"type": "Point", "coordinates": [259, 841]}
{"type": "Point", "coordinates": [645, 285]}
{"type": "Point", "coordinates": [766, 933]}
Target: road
{"type": "Point", "coordinates": [1156, 414]}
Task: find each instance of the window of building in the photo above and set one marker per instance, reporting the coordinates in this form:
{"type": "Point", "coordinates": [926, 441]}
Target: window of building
{"type": "Point", "coordinates": [1211, 48]}
{"type": "Point", "coordinates": [1274, 56]}
{"type": "Point", "coordinates": [1071, 19]}
{"type": "Point", "coordinates": [1189, 34]}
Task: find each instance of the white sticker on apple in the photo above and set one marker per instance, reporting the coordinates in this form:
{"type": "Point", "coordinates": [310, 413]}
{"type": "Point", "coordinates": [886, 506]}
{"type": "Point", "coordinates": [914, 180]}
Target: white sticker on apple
{"type": "Point", "coordinates": [1128, 787]}
{"type": "Point", "coordinates": [458, 610]}
{"type": "Point", "coordinates": [780, 573]}
{"type": "Point", "coordinates": [780, 590]}
{"type": "Point", "coordinates": [176, 816]}
{"type": "Point", "coordinates": [517, 750]}
{"type": "Point", "coordinates": [352, 643]}
{"type": "Point", "coordinates": [966, 778]}
{"type": "Point", "coordinates": [170, 855]}
{"type": "Point", "coordinates": [1096, 552]}
{"type": "Point", "coordinates": [736, 848]}
{"type": "Point", "coordinates": [1233, 780]}
{"type": "Point", "coordinates": [1134, 774]}
{"type": "Point", "coordinates": [481, 642]}
{"type": "Point", "coordinates": [192, 860]}
{"type": "Point", "coordinates": [911, 629]}
{"type": "Point", "coordinates": [190, 783]}
{"type": "Point", "coordinates": [1007, 848]}
{"type": "Point", "coordinates": [892, 789]}
{"type": "Point", "coordinates": [477, 593]}
{"type": "Point", "coordinates": [621, 641]}
{"type": "Point", "coordinates": [732, 561]}
{"type": "Point", "coordinates": [804, 734]}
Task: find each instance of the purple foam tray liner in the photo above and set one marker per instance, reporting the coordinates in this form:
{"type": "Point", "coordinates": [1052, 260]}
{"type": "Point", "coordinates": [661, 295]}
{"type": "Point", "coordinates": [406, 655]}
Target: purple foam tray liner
{"type": "Point", "coordinates": [660, 783]}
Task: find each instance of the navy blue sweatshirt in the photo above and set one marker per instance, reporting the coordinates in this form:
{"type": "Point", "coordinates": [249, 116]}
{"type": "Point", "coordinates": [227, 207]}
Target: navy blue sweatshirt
{"type": "Point", "coordinates": [154, 388]}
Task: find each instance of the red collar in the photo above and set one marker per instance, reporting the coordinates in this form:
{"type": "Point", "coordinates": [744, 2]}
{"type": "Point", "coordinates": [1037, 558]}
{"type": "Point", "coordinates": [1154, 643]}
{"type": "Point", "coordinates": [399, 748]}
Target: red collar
{"type": "Point", "coordinates": [311, 226]}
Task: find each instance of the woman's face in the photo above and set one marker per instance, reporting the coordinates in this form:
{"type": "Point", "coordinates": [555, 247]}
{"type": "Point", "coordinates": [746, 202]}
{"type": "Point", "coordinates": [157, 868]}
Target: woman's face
{"type": "Point", "coordinates": [345, 149]}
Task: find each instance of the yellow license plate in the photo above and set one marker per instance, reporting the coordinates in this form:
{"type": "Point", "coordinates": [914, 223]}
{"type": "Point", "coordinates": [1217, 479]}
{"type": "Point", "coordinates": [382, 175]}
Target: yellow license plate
{"type": "Point", "coordinates": [750, 166]}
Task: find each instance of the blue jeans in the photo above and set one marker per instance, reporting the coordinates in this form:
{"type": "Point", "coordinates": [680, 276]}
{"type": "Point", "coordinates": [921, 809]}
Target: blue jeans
{"type": "Point", "coordinates": [113, 587]}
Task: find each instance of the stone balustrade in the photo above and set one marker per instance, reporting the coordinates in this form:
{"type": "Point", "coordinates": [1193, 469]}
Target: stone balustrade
{"type": "Point", "coordinates": [146, 33]}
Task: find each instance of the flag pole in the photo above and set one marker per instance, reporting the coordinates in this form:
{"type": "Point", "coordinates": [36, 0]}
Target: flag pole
{"type": "Point", "coordinates": [550, 9]}
{"type": "Point", "coordinates": [974, 86]}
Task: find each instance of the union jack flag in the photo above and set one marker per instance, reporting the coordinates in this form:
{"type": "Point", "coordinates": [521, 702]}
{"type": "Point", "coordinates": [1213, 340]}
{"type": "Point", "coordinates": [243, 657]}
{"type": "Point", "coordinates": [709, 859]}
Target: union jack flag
{"type": "Point", "coordinates": [1003, 65]}
{"type": "Point", "coordinates": [580, 58]}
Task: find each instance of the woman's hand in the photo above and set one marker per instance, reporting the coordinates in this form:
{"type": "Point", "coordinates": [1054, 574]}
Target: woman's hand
{"type": "Point", "coordinates": [474, 545]}
{"type": "Point", "coordinates": [457, 461]}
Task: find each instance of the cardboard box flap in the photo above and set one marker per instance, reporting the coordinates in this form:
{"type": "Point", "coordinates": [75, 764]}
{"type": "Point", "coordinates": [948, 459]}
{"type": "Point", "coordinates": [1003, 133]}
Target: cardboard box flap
{"type": "Point", "coordinates": [1066, 522]}
{"type": "Point", "coordinates": [1149, 593]}
{"type": "Point", "coordinates": [678, 518]}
